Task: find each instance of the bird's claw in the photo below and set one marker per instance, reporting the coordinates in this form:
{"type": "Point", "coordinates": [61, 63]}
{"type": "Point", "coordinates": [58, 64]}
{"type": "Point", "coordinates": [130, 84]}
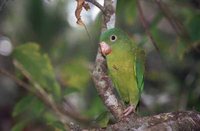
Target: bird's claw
{"type": "Point", "coordinates": [129, 110]}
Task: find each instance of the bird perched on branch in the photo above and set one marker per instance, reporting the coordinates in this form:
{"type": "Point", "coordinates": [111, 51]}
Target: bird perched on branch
{"type": "Point", "coordinates": [125, 62]}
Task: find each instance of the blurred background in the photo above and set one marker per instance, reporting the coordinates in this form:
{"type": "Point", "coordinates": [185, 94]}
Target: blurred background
{"type": "Point", "coordinates": [172, 77]}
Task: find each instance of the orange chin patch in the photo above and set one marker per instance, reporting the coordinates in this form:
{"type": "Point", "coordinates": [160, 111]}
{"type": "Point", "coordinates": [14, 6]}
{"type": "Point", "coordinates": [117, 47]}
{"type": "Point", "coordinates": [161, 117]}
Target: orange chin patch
{"type": "Point", "coordinates": [105, 48]}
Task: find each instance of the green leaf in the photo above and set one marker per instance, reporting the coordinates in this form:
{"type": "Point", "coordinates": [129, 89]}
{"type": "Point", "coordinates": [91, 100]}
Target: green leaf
{"type": "Point", "coordinates": [30, 105]}
{"type": "Point", "coordinates": [52, 121]}
{"type": "Point", "coordinates": [124, 14]}
{"type": "Point", "coordinates": [103, 119]}
{"type": "Point", "coordinates": [37, 66]}
{"type": "Point", "coordinates": [194, 26]}
{"type": "Point", "coordinates": [36, 108]}
{"type": "Point", "coordinates": [75, 74]}
{"type": "Point", "coordinates": [22, 105]}
{"type": "Point", "coordinates": [19, 126]}
{"type": "Point", "coordinates": [96, 107]}
{"type": "Point", "coordinates": [49, 117]}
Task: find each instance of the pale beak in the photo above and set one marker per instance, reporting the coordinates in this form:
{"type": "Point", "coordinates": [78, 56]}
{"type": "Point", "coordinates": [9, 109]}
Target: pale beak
{"type": "Point", "coordinates": [105, 48]}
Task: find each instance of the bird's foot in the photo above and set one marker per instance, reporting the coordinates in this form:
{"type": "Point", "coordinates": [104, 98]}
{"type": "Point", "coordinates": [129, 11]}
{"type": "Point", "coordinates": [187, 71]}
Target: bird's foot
{"type": "Point", "coordinates": [129, 110]}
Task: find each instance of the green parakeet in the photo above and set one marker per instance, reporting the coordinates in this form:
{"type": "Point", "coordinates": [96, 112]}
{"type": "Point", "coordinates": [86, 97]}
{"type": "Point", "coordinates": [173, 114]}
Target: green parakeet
{"type": "Point", "coordinates": [125, 62]}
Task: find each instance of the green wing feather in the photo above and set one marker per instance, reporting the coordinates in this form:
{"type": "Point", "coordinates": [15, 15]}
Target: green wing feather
{"type": "Point", "coordinates": [140, 68]}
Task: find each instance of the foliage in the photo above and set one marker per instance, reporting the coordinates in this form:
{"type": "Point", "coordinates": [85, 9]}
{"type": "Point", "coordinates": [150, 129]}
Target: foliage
{"type": "Point", "coordinates": [75, 74]}
{"type": "Point", "coordinates": [60, 56]}
{"type": "Point", "coordinates": [36, 67]}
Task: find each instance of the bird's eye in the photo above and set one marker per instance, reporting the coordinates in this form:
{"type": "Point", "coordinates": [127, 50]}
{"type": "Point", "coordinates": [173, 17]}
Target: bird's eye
{"type": "Point", "coordinates": [113, 38]}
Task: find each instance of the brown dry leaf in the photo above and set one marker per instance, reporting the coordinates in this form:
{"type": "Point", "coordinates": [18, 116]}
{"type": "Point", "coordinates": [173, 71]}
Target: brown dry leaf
{"type": "Point", "coordinates": [86, 6]}
{"type": "Point", "coordinates": [80, 5]}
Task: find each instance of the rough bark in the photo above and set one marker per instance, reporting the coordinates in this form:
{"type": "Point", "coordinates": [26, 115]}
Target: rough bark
{"type": "Point", "coordinates": [103, 83]}
{"type": "Point", "coordinates": [173, 121]}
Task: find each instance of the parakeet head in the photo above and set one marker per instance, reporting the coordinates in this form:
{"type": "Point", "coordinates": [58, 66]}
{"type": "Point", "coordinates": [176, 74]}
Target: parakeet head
{"type": "Point", "coordinates": [111, 39]}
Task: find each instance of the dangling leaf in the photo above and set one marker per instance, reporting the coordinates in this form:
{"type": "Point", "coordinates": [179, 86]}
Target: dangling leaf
{"type": "Point", "coordinates": [37, 67]}
{"type": "Point", "coordinates": [80, 5]}
{"type": "Point", "coordinates": [22, 105]}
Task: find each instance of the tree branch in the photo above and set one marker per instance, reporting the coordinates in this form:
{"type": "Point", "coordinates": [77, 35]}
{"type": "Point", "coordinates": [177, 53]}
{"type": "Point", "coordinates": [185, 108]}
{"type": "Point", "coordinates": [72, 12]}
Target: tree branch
{"type": "Point", "coordinates": [173, 121]}
{"type": "Point", "coordinates": [176, 121]}
{"type": "Point", "coordinates": [64, 116]}
{"type": "Point", "coordinates": [103, 83]}
{"type": "Point", "coordinates": [145, 25]}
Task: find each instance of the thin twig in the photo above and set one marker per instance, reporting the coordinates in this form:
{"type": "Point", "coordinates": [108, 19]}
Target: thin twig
{"type": "Point", "coordinates": [64, 114]}
{"type": "Point", "coordinates": [19, 82]}
{"type": "Point", "coordinates": [145, 25]}
{"type": "Point", "coordinates": [65, 117]}
{"type": "Point", "coordinates": [42, 95]}
{"type": "Point", "coordinates": [94, 2]}
{"type": "Point", "coordinates": [175, 23]}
